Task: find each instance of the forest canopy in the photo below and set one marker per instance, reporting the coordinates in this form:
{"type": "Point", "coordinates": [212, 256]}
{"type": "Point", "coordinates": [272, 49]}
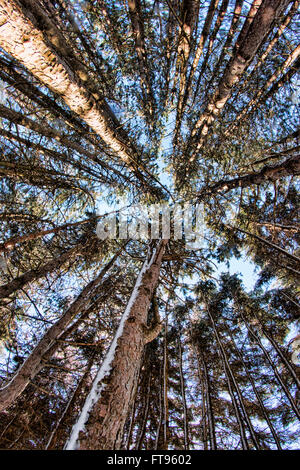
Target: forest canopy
{"type": "Point", "coordinates": [146, 342]}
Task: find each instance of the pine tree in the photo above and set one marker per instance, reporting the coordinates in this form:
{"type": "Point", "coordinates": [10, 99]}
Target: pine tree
{"type": "Point", "coordinates": [145, 343]}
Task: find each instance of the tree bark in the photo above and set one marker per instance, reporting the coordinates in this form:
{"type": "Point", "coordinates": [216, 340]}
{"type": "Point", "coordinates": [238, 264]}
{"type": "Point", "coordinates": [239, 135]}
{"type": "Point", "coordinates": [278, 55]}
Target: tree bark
{"type": "Point", "coordinates": [20, 37]}
{"type": "Point", "coordinates": [135, 13]}
{"type": "Point", "coordinates": [272, 365]}
{"type": "Point", "coordinates": [100, 424]}
{"type": "Point", "coordinates": [212, 38]}
{"type": "Point", "coordinates": [233, 27]}
{"type": "Point", "coordinates": [259, 399]}
{"type": "Point", "coordinates": [290, 166]}
{"type": "Point", "coordinates": [287, 364]}
{"type": "Point", "coordinates": [165, 388]}
{"type": "Point", "coordinates": [250, 38]}
{"type": "Point", "coordinates": [256, 99]}
{"type": "Point", "coordinates": [230, 377]}
{"type": "Point", "coordinates": [142, 429]}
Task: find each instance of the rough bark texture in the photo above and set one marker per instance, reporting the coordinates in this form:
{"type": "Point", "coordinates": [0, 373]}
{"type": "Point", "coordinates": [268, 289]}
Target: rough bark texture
{"type": "Point", "coordinates": [188, 17]}
{"type": "Point", "coordinates": [210, 413]}
{"type": "Point", "coordinates": [205, 32]}
{"type": "Point", "coordinates": [20, 37]}
{"type": "Point", "coordinates": [103, 430]}
{"type": "Point", "coordinates": [247, 45]}
{"type": "Point", "coordinates": [256, 98]}
{"type": "Point", "coordinates": [199, 49]}
{"type": "Point", "coordinates": [233, 27]}
{"type": "Point", "coordinates": [29, 89]}
{"type": "Point", "coordinates": [135, 13]}
{"type": "Point", "coordinates": [290, 166]}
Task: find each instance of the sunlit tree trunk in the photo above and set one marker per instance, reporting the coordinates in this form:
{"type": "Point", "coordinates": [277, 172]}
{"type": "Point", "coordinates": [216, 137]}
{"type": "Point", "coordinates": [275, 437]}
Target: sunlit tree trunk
{"type": "Point", "coordinates": [250, 38]}
{"type": "Point", "coordinates": [273, 367]}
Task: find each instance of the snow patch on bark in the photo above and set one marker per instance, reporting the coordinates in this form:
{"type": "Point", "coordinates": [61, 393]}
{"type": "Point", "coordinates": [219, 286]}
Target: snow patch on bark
{"type": "Point", "coordinates": [105, 368]}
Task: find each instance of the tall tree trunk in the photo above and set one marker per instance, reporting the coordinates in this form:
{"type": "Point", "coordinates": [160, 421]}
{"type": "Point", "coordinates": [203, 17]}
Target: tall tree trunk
{"type": "Point", "coordinates": [165, 389]}
{"type": "Point", "coordinates": [229, 377]}
{"type": "Point", "coordinates": [294, 55]}
{"type": "Point", "coordinates": [212, 38]}
{"type": "Point", "coordinates": [272, 365]}
{"type": "Point", "coordinates": [290, 166]}
{"type": "Point", "coordinates": [203, 411]}
{"type": "Point", "coordinates": [9, 74]}
{"type": "Point", "coordinates": [135, 13]}
{"type": "Point", "coordinates": [132, 422]}
{"type": "Point", "coordinates": [182, 388]}
{"type": "Point", "coordinates": [199, 49]}
{"type": "Point", "coordinates": [233, 27]}
{"type": "Point", "coordinates": [57, 432]}
{"type": "Point", "coordinates": [142, 429]}
{"type": "Point", "coordinates": [248, 42]}
{"type": "Point", "coordinates": [160, 419]}
{"type": "Point", "coordinates": [20, 37]}
{"type": "Point", "coordinates": [211, 420]}
{"type": "Point", "coordinates": [35, 274]}
{"type": "Point", "coordinates": [185, 44]}
{"type": "Point", "coordinates": [287, 364]}
{"type": "Point", "coordinates": [259, 399]}
{"type": "Point", "coordinates": [100, 424]}
{"type": "Point", "coordinates": [238, 415]}
{"type": "Point", "coordinates": [49, 62]}
{"type": "Point", "coordinates": [240, 396]}
{"type": "Point", "coordinates": [34, 362]}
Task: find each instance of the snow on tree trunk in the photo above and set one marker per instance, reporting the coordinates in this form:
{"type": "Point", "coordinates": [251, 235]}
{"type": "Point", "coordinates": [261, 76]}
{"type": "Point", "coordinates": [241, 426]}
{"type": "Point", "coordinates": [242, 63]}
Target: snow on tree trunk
{"type": "Point", "coordinates": [100, 423]}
